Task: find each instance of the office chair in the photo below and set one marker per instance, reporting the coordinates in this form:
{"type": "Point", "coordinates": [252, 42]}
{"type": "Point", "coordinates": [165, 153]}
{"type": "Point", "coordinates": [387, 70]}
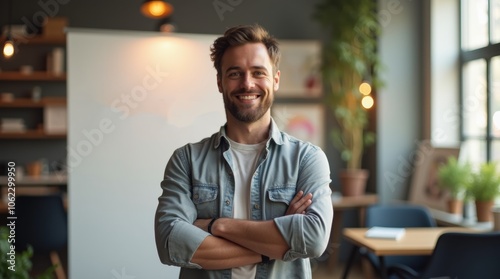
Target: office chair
{"type": "Point", "coordinates": [42, 224]}
{"type": "Point", "coordinates": [460, 255]}
{"type": "Point", "coordinates": [400, 216]}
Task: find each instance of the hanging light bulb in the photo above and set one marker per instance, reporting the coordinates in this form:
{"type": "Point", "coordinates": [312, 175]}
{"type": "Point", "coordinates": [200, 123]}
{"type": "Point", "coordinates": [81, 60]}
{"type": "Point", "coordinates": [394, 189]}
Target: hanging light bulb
{"type": "Point", "coordinates": [367, 102]}
{"type": "Point", "coordinates": [365, 88]}
{"type": "Point", "coordinates": [156, 8]}
{"type": "Point", "coordinates": [8, 48]}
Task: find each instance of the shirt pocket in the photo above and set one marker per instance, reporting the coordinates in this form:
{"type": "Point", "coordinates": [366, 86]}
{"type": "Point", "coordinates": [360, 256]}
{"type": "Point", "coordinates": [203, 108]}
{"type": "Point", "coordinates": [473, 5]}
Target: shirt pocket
{"type": "Point", "coordinates": [279, 199]}
{"type": "Point", "coordinates": [205, 200]}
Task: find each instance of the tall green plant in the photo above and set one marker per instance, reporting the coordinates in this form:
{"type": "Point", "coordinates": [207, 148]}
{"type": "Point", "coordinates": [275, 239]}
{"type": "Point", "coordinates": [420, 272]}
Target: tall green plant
{"type": "Point", "coordinates": [349, 57]}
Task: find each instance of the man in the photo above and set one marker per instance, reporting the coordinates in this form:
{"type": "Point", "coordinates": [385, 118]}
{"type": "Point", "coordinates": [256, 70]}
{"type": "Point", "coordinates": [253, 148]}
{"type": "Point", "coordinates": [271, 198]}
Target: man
{"type": "Point", "coordinates": [250, 201]}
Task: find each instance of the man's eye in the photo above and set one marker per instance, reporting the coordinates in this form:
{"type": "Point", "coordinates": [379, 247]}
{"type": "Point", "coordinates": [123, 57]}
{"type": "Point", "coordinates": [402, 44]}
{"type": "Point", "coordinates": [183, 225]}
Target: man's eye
{"type": "Point", "coordinates": [234, 75]}
{"type": "Point", "coordinates": [259, 74]}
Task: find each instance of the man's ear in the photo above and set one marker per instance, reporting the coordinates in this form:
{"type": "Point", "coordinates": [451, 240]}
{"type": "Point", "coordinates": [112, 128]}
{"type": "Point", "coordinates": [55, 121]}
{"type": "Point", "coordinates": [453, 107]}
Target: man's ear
{"type": "Point", "coordinates": [276, 85]}
{"type": "Point", "coordinates": [219, 83]}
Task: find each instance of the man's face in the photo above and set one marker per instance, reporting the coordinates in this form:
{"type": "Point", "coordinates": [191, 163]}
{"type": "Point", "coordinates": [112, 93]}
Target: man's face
{"type": "Point", "coordinates": [247, 82]}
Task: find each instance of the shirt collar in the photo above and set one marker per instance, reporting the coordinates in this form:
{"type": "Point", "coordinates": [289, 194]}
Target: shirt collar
{"type": "Point", "coordinates": [275, 135]}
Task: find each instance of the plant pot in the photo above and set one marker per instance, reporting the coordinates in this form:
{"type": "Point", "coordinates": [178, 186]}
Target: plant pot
{"type": "Point", "coordinates": [455, 206]}
{"type": "Point", "coordinates": [483, 211]}
{"type": "Point", "coordinates": [496, 218]}
{"type": "Point", "coordinates": [353, 182]}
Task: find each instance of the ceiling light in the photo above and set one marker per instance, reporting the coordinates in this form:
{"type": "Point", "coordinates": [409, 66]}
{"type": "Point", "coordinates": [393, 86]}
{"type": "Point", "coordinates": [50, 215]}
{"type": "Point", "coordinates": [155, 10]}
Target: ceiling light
{"type": "Point", "coordinates": [156, 8]}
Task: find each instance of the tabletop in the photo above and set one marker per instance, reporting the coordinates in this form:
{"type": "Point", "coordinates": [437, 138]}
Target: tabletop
{"type": "Point", "coordinates": [415, 241]}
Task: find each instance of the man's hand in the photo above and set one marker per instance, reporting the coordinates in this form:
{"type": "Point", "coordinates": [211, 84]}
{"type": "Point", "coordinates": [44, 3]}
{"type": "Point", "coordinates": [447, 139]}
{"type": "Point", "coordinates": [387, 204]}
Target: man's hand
{"type": "Point", "coordinates": [299, 203]}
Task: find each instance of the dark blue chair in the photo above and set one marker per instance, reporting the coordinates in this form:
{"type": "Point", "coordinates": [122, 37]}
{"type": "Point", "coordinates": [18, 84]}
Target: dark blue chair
{"type": "Point", "coordinates": [459, 255]}
{"type": "Point", "coordinates": [397, 216]}
{"type": "Point", "coordinates": [42, 223]}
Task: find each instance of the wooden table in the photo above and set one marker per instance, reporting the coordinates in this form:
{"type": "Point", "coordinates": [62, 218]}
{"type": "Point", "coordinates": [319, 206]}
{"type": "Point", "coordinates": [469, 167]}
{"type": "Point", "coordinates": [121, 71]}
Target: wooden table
{"type": "Point", "coordinates": [416, 241]}
{"type": "Point", "coordinates": [340, 204]}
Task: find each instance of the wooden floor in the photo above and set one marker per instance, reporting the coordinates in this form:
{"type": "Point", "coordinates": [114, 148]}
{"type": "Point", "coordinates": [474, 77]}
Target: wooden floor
{"type": "Point", "coordinates": [323, 272]}
{"type": "Point", "coordinates": [320, 270]}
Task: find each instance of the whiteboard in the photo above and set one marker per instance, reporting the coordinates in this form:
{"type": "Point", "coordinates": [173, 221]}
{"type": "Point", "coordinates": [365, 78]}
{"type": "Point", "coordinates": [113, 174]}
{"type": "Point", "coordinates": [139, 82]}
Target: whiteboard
{"type": "Point", "coordinates": [133, 98]}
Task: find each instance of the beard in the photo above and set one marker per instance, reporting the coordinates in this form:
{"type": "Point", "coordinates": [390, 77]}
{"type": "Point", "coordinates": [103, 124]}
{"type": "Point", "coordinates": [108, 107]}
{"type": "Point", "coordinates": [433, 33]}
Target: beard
{"type": "Point", "coordinates": [246, 113]}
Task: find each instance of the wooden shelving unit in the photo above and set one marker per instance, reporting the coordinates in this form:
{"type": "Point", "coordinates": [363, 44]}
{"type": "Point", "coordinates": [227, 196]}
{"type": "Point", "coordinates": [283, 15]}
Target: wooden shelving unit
{"type": "Point", "coordinates": [35, 76]}
{"type": "Point", "coordinates": [31, 134]}
{"type": "Point", "coordinates": [42, 180]}
{"type": "Point", "coordinates": [39, 40]}
{"type": "Point", "coordinates": [28, 103]}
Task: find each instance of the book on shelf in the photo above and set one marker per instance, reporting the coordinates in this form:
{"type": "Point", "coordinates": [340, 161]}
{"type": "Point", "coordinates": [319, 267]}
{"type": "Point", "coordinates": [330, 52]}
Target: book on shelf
{"type": "Point", "coordinates": [12, 125]}
{"type": "Point", "coordinates": [55, 119]}
{"type": "Point", "coordinates": [16, 30]}
{"type": "Point", "coordinates": [385, 233]}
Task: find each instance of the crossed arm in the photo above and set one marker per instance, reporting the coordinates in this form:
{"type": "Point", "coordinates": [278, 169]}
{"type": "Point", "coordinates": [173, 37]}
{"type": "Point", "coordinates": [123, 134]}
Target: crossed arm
{"type": "Point", "coordinates": [236, 242]}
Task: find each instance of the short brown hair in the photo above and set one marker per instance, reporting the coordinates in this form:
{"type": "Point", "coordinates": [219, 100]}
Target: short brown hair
{"type": "Point", "coordinates": [240, 35]}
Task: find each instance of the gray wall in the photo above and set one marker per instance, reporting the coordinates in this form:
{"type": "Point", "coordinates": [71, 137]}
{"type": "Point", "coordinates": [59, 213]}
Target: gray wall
{"type": "Point", "coordinates": [399, 111]}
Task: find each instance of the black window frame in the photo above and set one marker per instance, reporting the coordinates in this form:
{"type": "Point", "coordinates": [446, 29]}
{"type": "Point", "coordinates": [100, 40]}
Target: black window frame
{"type": "Point", "coordinates": [486, 53]}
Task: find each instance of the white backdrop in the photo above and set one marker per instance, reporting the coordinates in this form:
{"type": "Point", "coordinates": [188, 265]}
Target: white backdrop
{"type": "Point", "coordinates": [133, 97]}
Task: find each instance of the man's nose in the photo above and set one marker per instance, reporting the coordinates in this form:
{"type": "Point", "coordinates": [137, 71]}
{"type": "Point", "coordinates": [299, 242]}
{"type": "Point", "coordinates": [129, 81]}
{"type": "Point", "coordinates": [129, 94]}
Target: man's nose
{"type": "Point", "coordinates": [248, 81]}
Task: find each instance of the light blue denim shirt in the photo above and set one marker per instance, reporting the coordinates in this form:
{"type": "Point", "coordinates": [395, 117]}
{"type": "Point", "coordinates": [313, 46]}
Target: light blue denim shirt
{"type": "Point", "coordinates": [199, 183]}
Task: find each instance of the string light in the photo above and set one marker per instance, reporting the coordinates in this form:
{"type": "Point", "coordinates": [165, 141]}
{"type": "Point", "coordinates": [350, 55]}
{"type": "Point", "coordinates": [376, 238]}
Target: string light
{"type": "Point", "coordinates": [365, 88]}
{"type": "Point", "coordinates": [367, 102]}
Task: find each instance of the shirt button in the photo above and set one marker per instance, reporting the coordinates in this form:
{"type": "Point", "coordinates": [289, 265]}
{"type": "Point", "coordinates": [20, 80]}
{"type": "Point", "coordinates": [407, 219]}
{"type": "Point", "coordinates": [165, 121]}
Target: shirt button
{"type": "Point", "coordinates": [256, 206]}
{"type": "Point", "coordinates": [196, 196]}
{"type": "Point", "coordinates": [228, 202]}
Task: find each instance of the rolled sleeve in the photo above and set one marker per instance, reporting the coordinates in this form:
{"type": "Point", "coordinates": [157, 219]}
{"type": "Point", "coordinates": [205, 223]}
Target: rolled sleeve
{"type": "Point", "coordinates": [177, 239]}
{"type": "Point", "coordinates": [308, 234]}
{"type": "Point", "coordinates": [180, 250]}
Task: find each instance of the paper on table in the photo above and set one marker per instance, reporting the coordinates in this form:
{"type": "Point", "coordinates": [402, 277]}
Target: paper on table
{"type": "Point", "coordinates": [385, 233]}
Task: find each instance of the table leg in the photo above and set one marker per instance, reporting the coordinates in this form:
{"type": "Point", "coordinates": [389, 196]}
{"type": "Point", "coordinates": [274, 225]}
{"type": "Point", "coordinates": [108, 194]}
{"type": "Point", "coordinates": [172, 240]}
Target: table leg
{"type": "Point", "coordinates": [335, 238]}
{"type": "Point", "coordinates": [362, 214]}
{"type": "Point", "coordinates": [383, 270]}
{"type": "Point", "coordinates": [350, 260]}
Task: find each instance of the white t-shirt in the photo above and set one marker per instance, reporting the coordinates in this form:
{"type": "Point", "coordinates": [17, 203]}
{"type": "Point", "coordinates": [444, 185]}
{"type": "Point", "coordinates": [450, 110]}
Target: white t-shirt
{"type": "Point", "coordinates": [245, 160]}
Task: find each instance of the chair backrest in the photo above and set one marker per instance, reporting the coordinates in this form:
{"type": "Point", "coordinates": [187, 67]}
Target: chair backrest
{"type": "Point", "coordinates": [465, 255]}
{"type": "Point", "coordinates": [41, 222]}
{"type": "Point", "coordinates": [399, 215]}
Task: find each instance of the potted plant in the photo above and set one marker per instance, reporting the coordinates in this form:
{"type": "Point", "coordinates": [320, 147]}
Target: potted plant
{"type": "Point", "coordinates": [349, 59]}
{"type": "Point", "coordinates": [485, 187]}
{"type": "Point", "coordinates": [20, 266]}
{"type": "Point", "coordinates": [455, 178]}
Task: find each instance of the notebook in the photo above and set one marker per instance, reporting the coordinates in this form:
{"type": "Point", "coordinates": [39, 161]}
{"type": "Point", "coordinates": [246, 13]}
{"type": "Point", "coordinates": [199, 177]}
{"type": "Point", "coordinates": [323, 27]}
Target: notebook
{"type": "Point", "coordinates": [385, 233]}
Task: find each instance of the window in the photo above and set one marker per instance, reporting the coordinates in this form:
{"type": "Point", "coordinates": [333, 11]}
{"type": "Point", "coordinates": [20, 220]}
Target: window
{"type": "Point", "coordinates": [480, 94]}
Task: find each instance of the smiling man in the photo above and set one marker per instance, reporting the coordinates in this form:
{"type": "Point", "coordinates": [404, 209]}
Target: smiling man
{"type": "Point", "coordinates": [250, 201]}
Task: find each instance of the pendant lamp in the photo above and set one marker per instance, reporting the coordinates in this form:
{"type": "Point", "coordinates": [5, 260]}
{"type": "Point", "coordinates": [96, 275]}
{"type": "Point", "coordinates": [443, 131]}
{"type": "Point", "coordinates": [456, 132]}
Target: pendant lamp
{"type": "Point", "coordinates": [8, 47]}
{"type": "Point", "coordinates": [156, 8]}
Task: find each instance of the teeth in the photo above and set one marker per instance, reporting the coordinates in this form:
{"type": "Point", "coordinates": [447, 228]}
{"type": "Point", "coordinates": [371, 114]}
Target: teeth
{"type": "Point", "coordinates": [251, 97]}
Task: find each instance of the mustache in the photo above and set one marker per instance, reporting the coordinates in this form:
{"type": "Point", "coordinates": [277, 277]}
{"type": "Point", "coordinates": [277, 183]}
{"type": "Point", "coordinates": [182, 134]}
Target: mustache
{"type": "Point", "coordinates": [245, 91]}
